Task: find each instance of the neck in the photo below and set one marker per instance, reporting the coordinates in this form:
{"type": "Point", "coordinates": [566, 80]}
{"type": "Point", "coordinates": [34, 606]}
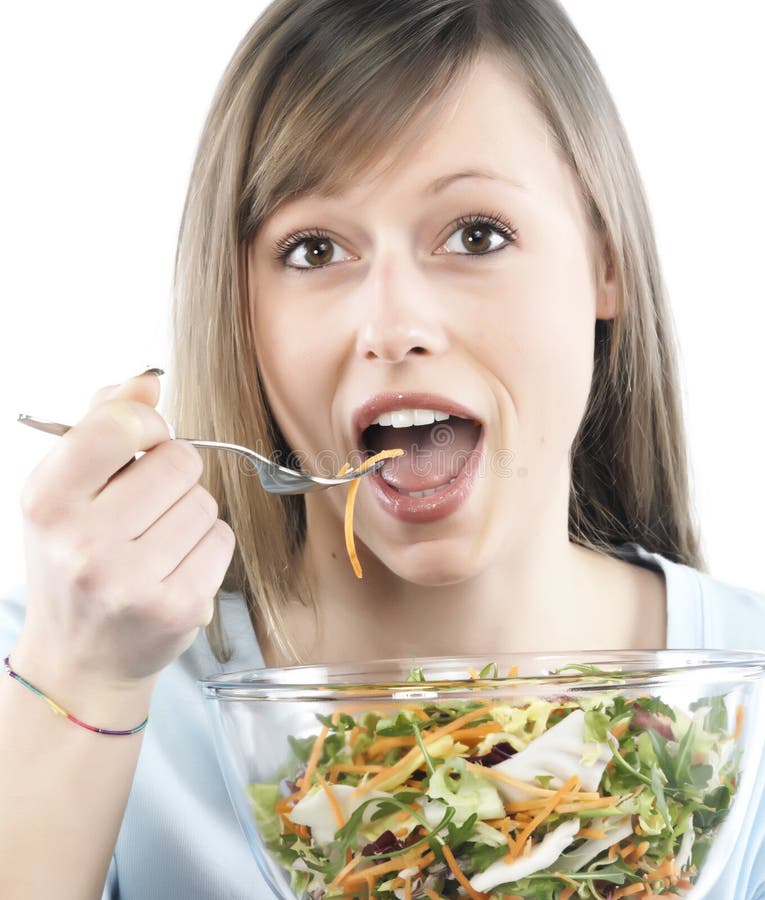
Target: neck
{"type": "Point", "coordinates": [536, 594]}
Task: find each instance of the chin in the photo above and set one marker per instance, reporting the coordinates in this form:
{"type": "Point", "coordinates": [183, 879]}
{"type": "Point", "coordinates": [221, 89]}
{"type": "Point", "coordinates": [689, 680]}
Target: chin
{"type": "Point", "coordinates": [436, 563]}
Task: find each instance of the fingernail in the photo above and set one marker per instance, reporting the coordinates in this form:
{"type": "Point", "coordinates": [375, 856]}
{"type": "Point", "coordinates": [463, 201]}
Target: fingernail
{"type": "Point", "coordinates": [153, 370]}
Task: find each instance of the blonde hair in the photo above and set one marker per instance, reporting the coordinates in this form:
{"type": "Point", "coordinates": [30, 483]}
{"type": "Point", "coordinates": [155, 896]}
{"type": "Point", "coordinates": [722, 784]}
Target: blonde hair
{"type": "Point", "coordinates": [315, 94]}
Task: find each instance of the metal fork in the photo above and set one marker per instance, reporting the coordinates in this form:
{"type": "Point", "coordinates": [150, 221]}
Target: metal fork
{"type": "Point", "coordinates": [274, 478]}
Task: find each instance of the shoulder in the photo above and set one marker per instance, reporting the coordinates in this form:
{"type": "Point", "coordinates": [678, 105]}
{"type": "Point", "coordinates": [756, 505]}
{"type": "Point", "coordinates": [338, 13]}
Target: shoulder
{"type": "Point", "coordinates": [704, 611]}
{"type": "Point", "coordinates": [734, 615]}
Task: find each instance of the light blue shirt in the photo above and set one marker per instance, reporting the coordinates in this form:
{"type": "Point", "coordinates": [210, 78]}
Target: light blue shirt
{"type": "Point", "coordinates": [180, 839]}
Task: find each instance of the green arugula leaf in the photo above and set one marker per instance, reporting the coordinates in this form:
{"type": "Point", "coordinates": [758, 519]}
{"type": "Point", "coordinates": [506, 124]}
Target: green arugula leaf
{"type": "Point", "coordinates": [458, 834]}
{"type": "Point", "coordinates": [423, 748]}
{"type": "Point", "coordinates": [683, 757]}
{"type": "Point", "coordinates": [415, 674]}
{"type": "Point", "coordinates": [666, 762]}
{"type": "Point", "coordinates": [658, 790]}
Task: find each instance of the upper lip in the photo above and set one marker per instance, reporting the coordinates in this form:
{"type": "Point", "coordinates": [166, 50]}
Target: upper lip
{"type": "Point", "coordinates": [365, 414]}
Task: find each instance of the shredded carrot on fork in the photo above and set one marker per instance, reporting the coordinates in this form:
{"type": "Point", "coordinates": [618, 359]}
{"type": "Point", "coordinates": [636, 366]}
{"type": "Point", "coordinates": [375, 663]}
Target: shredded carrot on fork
{"type": "Point", "coordinates": [350, 502]}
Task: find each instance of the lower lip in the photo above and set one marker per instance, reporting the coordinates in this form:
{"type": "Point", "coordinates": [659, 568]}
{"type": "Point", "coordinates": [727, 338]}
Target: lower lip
{"type": "Point", "coordinates": [443, 503]}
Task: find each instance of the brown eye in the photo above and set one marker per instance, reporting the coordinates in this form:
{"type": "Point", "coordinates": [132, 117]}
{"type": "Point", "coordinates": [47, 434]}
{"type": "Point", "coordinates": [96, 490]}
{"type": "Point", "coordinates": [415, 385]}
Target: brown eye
{"type": "Point", "coordinates": [478, 239]}
{"type": "Point", "coordinates": [318, 252]}
{"type": "Point", "coordinates": [308, 250]}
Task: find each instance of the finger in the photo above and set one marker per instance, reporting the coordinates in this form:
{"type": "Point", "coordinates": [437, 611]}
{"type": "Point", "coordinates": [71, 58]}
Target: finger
{"type": "Point", "coordinates": [199, 575]}
{"type": "Point", "coordinates": [144, 388]}
{"type": "Point", "coordinates": [82, 461]}
{"type": "Point", "coordinates": [175, 534]}
{"type": "Point", "coordinates": [137, 497]}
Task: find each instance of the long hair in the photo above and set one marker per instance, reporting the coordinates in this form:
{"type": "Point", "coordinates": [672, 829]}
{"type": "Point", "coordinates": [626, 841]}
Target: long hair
{"type": "Point", "coordinates": [314, 95]}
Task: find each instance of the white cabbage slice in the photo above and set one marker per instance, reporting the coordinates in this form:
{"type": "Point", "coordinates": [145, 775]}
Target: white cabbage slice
{"type": "Point", "coordinates": [314, 809]}
{"type": "Point", "coordinates": [541, 856]}
{"type": "Point", "coordinates": [557, 752]}
{"type": "Point", "coordinates": [686, 845]}
{"type": "Point", "coordinates": [616, 828]}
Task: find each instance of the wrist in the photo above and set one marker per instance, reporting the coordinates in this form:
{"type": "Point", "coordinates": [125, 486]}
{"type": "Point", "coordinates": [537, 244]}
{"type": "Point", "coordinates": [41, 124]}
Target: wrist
{"type": "Point", "coordinates": [85, 699]}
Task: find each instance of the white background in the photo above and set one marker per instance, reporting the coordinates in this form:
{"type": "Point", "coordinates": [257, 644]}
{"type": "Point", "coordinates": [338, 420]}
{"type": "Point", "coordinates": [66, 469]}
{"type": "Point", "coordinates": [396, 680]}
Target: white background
{"type": "Point", "coordinates": [102, 108]}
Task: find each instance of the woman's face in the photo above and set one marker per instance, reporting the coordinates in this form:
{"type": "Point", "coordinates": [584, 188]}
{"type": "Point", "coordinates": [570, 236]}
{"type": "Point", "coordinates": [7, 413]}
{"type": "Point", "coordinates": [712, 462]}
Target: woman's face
{"type": "Point", "coordinates": [394, 295]}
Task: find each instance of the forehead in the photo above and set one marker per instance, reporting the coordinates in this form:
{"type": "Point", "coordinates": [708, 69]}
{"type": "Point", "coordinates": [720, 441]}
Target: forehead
{"type": "Point", "coordinates": [485, 121]}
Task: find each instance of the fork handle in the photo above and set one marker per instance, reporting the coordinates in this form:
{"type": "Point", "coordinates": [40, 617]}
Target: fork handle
{"type": "Point", "coordinates": [51, 427]}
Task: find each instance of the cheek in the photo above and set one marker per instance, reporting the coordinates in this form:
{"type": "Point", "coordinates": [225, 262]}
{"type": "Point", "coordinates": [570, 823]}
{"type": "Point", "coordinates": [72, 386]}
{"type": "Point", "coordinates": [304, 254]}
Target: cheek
{"type": "Point", "coordinates": [294, 359]}
{"type": "Point", "coordinates": [538, 340]}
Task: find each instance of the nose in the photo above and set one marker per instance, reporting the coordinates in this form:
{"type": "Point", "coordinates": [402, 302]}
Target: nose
{"type": "Point", "coordinates": [400, 316]}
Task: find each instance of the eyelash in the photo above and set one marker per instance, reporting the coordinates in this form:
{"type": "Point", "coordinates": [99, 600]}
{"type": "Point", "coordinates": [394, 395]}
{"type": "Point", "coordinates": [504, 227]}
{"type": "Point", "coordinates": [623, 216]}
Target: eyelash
{"type": "Point", "coordinates": [284, 247]}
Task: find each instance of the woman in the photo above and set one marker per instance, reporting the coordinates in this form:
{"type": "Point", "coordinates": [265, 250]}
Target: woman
{"type": "Point", "coordinates": [411, 208]}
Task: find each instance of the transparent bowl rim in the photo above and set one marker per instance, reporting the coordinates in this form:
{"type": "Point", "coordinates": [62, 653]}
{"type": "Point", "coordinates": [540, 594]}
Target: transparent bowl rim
{"type": "Point", "coordinates": [641, 668]}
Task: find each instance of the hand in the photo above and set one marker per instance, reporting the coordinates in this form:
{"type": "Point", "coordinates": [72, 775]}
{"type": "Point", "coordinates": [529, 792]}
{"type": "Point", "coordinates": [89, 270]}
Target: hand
{"type": "Point", "coordinates": [122, 563]}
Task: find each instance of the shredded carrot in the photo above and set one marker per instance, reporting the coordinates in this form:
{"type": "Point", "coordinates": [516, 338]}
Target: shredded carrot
{"type": "Point", "coordinates": [473, 673]}
{"type": "Point", "coordinates": [460, 875]}
{"type": "Point", "coordinates": [588, 804]}
{"type": "Point", "coordinates": [594, 833]}
{"type": "Point", "coordinates": [628, 891]}
{"type": "Point", "coordinates": [574, 799]}
{"type": "Point", "coordinates": [417, 710]}
{"type": "Point", "coordinates": [488, 772]}
{"type": "Point", "coordinates": [456, 724]}
{"type": "Point", "coordinates": [337, 768]}
{"type": "Point", "coordinates": [313, 762]}
{"type": "Point", "coordinates": [618, 730]}
{"type": "Point", "coordinates": [414, 753]}
{"type": "Point", "coordinates": [391, 865]}
{"type": "Point", "coordinates": [471, 734]}
{"type": "Point", "coordinates": [641, 849]}
{"type": "Point", "coordinates": [512, 671]}
{"type": "Point", "coordinates": [739, 722]}
{"type": "Point", "coordinates": [567, 893]}
{"type": "Point", "coordinates": [282, 803]}
{"type": "Point", "coordinates": [431, 895]}
{"type": "Point", "coordinates": [350, 544]}
{"type": "Point", "coordinates": [553, 801]}
{"type": "Point", "coordinates": [408, 888]}
{"type": "Point", "coordinates": [347, 869]}
{"type": "Point", "coordinates": [666, 868]}
{"type": "Point", "coordinates": [333, 804]}
{"type": "Point", "coordinates": [384, 744]}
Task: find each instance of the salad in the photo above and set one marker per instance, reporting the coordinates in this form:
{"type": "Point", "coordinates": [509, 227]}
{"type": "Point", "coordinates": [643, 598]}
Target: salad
{"type": "Point", "coordinates": [600, 797]}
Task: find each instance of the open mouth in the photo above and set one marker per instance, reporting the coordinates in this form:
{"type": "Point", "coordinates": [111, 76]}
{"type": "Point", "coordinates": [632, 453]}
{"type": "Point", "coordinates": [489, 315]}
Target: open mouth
{"type": "Point", "coordinates": [437, 446]}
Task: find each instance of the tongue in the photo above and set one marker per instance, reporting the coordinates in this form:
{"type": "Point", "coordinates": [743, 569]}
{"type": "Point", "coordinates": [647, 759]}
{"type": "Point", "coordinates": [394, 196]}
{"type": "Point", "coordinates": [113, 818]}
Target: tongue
{"type": "Point", "coordinates": [433, 454]}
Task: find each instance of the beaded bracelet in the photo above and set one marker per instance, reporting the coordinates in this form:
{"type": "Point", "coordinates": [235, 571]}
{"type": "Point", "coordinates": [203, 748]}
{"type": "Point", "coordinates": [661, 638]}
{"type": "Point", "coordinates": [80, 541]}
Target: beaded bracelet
{"type": "Point", "coordinates": [61, 711]}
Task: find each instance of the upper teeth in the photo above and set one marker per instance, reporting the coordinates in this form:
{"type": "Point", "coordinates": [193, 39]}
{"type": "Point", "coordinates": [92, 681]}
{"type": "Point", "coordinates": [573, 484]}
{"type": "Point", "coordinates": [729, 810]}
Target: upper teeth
{"type": "Point", "coordinates": [405, 418]}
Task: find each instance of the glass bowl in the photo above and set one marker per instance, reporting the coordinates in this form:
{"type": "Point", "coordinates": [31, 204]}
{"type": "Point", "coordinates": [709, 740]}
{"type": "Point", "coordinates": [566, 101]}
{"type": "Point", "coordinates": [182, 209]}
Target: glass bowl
{"type": "Point", "coordinates": [569, 775]}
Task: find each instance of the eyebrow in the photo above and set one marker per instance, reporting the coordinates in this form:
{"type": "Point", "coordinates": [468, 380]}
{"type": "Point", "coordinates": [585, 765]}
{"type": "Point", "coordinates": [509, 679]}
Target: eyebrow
{"type": "Point", "coordinates": [445, 180]}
